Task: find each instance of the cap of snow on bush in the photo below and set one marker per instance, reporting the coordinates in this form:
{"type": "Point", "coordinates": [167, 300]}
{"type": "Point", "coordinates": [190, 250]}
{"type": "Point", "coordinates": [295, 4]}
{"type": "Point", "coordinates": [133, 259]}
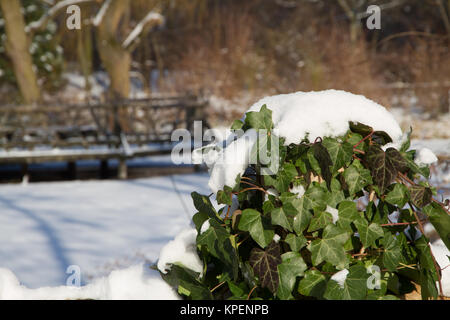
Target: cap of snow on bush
{"type": "Point", "coordinates": [181, 250]}
{"type": "Point", "coordinates": [299, 115]}
{"type": "Point", "coordinates": [425, 157]}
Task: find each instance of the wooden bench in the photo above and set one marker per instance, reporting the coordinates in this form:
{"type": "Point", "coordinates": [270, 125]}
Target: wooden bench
{"type": "Point", "coordinates": [95, 131]}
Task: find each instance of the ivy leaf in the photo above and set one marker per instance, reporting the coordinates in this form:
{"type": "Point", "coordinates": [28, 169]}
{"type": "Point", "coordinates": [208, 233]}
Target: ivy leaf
{"type": "Point", "coordinates": [314, 197]}
{"type": "Point", "coordinates": [323, 158]}
{"type": "Point", "coordinates": [420, 195]}
{"type": "Point", "coordinates": [356, 177]}
{"type": "Point", "coordinates": [336, 195]}
{"type": "Point", "coordinates": [424, 171]}
{"type": "Point", "coordinates": [204, 205]}
{"type": "Point", "coordinates": [320, 220]}
{"type": "Point", "coordinates": [354, 288]}
{"type": "Point", "coordinates": [292, 266]}
{"type": "Point", "coordinates": [397, 160]}
{"type": "Point", "coordinates": [398, 195]}
{"type": "Point", "coordinates": [261, 119]}
{"type": "Point", "coordinates": [217, 240]}
{"type": "Point", "coordinates": [331, 247]}
{"type": "Point", "coordinates": [199, 218]}
{"type": "Point", "coordinates": [237, 124]}
{"type": "Point", "coordinates": [313, 284]}
{"type": "Point", "coordinates": [407, 143]}
{"type": "Point", "coordinates": [340, 153]}
{"type": "Point", "coordinates": [265, 263]}
{"type": "Point", "coordinates": [295, 242]}
{"type": "Point", "coordinates": [384, 166]}
{"type": "Point", "coordinates": [440, 220]}
{"type": "Point", "coordinates": [368, 233]}
{"type": "Point", "coordinates": [380, 137]}
{"type": "Point", "coordinates": [282, 216]}
{"type": "Point", "coordinates": [251, 221]}
{"type": "Point", "coordinates": [237, 291]}
{"type": "Point", "coordinates": [347, 213]}
{"type": "Point", "coordinates": [224, 196]}
{"type": "Point", "coordinates": [186, 280]}
{"type": "Point", "coordinates": [284, 177]}
{"type": "Point", "coordinates": [392, 254]}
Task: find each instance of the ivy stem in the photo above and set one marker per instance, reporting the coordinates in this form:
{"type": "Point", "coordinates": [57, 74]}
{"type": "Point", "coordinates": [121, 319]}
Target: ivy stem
{"type": "Point", "coordinates": [220, 284]}
{"type": "Point", "coordinates": [422, 230]}
{"type": "Point", "coordinates": [253, 188]}
{"type": "Point", "coordinates": [400, 223]}
{"type": "Point", "coordinates": [364, 139]}
{"type": "Point", "coordinates": [251, 291]}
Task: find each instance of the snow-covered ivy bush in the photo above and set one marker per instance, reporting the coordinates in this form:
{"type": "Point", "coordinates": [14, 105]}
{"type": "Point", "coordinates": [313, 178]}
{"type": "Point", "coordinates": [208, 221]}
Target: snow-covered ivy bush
{"type": "Point", "coordinates": [341, 219]}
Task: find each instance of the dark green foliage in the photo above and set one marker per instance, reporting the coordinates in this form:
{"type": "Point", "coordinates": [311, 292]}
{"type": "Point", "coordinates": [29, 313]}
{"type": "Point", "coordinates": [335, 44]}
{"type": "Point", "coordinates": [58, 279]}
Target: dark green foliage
{"type": "Point", "coordinates": [46, 54]}
{"type": "Point", "coordinates": [288, 246]}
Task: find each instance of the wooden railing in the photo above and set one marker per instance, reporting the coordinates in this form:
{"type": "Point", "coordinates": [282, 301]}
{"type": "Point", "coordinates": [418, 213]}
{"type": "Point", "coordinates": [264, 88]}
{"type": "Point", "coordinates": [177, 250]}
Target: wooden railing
{"type": "Point", "coordinates": [116, 129]}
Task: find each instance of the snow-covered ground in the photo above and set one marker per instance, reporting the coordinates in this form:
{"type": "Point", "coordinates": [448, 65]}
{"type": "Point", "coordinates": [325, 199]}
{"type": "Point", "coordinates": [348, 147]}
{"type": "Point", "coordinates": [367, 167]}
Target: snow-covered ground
{"type": "Point", "coordinates": [101, 226]}
{"type": "Point", "coordinates": [97, 225]}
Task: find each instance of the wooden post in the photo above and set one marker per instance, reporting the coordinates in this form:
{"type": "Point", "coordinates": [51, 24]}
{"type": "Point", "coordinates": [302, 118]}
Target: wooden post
{"type": "Point", "coordinates": [104, 169]}
{"type": "Point", "coordinates": [122, 170]}
{"type": "Point", "coordinates": [72, 170]}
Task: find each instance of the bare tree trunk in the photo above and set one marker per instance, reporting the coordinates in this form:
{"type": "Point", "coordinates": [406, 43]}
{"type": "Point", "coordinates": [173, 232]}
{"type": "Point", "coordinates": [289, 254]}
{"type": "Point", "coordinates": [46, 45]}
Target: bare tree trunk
{"type": "Point", "coordinates": [115, 58]}
{"type": "Point", "coordinates": [17, 48]}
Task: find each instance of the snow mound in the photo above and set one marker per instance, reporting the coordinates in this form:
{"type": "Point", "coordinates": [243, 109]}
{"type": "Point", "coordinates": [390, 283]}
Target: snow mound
{"type": "Point", "coordinates": [325, 114]}
{"type": "Point", "coordinates": [133, 283]}
{"type": "Point", "coordinates": [304, 114]}
{"type": "Point", "coordinates": [441, 253]}
{"type": "Point", "coordinates": [181, 250]}
{"type": "Point", "coordinates": [425, 157]}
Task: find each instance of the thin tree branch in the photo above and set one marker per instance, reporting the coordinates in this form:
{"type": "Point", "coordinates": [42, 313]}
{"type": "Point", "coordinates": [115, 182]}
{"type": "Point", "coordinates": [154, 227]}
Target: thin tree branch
{"type": "Point", "coordinates": [152, 19]}
{"type": "Point", "coordinates": [44, 20]}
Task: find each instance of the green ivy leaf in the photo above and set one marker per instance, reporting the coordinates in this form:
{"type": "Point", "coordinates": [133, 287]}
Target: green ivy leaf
{"type": "Point", "coordinates": [199, 218]}
{"type": "Point", "coordinates": [313, 284]}
{"type": "Point", "coordinates": [260, 120]}
{"type": "Point", "coordinates": [440, 220]}
{"type": "Point", "coordinates": [203, 204]}
{"type": "Point", "coordinates": [354, 288]}
{"type": "Point", "coordinates": [314, 198]}
{"type": "Point", "coordinates": [340, 153]}
{"type": "Point", "coordinates": [284, 177]}
{"type": "Point", "coordinates": [392, 254]}
{"type": "Point", "coordinates": [237, 124]}
{"type": "Point", "coordinates": [224, 196]}
{"type": "Point", "coordinates": [295, 242]}
{"type": "Point", "coordinates": [356, 177]}
{"type": "Point", "coordinates": [398, 195]}
{"type": "Point", "coordinates": [251, 221]}
{"type": "Point", "coordinates": [265, 263]}
{"type": "Point", "coordinates": [217, 239]}
{"type": "Point", "coordinates": [324, 160]}
{"type": "Point", "coordinates": [320, 220]}
{"type": "Point", "coordinates": [424, 171]}
{"type": "Point", "coordinates": [292, 266]}
{"type": "Point", "coordinates": [331, 247]}
{"type": "Point", "coordinates": [368, 233]}
{"type": "Point", "coordinates": [180, 277]}
{"type": "Point", "coordinates": [347, 213]}
{"type": "Point", "coordinates": [336, 195]}
{"type": "Point", "coordinates": [283, 216]}
{"type": "Point", "coordinates": [420, 195]}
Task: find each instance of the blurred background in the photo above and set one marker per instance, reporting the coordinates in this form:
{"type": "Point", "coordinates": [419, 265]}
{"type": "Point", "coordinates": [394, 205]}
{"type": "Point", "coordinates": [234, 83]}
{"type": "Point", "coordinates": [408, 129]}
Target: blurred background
{"type": "Point", "coordinates": [94, 89]}
{"type": "Point", "coordinates": [233, 52]}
